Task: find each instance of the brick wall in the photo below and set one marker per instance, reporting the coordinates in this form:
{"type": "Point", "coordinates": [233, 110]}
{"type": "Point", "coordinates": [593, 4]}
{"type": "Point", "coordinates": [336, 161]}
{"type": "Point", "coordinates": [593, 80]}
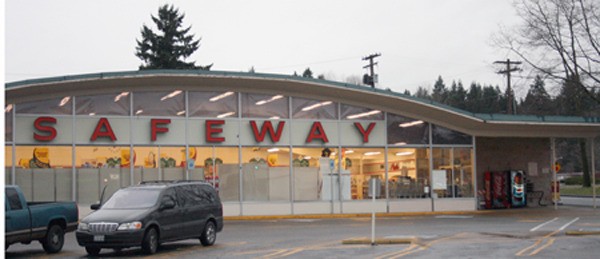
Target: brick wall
{"type": "Point", "coordinates": [500, 154]}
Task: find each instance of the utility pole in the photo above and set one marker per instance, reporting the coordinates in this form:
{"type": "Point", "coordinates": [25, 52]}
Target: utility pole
{"type": "Point", "coordinates": [371, 78]}
{"type": "Point", "coordinates": [507, 71]}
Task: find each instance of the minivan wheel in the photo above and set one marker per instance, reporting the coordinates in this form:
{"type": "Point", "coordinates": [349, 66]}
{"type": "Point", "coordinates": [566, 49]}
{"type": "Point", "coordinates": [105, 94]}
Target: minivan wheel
{"type": "Point", "coordinates": [150, 242]}
{"type": "Point", "coordinates": [91, 250]}
{"type": "Point", "coordinates": [209, 234]}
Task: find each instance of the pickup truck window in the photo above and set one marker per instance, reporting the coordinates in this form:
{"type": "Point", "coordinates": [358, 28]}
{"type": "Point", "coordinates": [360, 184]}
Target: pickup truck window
{"type": "Point", "coordinates": [132, 199]}
{"type": "Point", "coordinates": [13, 199]}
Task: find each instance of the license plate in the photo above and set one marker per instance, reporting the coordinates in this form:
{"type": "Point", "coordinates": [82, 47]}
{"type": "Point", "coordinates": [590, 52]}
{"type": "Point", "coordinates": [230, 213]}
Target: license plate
{"type": "Point", "coordinates": [99, 238]}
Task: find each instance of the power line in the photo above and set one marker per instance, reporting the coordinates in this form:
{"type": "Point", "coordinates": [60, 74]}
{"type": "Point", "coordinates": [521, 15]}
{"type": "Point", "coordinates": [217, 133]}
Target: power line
{"type": "Point", "coordinates": [310, 63]}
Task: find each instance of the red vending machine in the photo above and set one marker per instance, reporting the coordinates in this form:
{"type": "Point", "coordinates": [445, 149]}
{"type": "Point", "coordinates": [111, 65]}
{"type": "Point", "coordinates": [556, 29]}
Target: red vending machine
{"type": "Point", "coordinates": [497, 190]}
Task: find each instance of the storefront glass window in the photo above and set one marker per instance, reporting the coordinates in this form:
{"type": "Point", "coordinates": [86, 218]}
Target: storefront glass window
{"type": "Point", "coordinates": [44, 173]}
{"type": "Point", "coordinates": [313, 109]}
{"type": "Point", "coordinates": [170, 103]}
{"type": "Point", "coordinates": [444, 136]}
{"type": "Point", "coordinates": [107, 104]}
{"type": "Point", "coordinates": [265, 106]}
{"type": "Point", "coordinates": [8, 123]}
{"type": "Point", "coordinates": [101, 168]}
{"type": "Point", "coordinates": [8, 164]}
{"type": "Point", "coordinates": [213, 104]}
{"type": "Point", "coordinates": [56, 106]}
{"type": "Point", "coordinates": [403, 131]}
{"type": "Point", "coordinates": [408, 172]}
{"type": "Point", "coordinates": [173, 163]}
{"type": "Point", "coordinates": [218, 166]}
{"type": "Point", "coordinates": [364, 164]}
{"type": "Point", "coordinates": [266, 174]}
{"type": "Point", "coordinates": [315, 174]}
{"type": "Point", "coordinates": [453, 172]}
{"type": "Point", "coordinates": [350, 112]}
{"type": "Point", "coordinates": [463, 172]}
{"type": "Point", "coordinates": [147, 161]}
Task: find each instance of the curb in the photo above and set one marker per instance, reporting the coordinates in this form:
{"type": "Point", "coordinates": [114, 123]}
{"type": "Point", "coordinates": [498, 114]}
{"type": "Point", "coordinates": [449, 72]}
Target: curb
{"type": "Point", "coordinates": [582, 232]}
{"type": "Point", "coordinates": [378, 241]}
{"type": "Point", "coordinates": [354, 215]}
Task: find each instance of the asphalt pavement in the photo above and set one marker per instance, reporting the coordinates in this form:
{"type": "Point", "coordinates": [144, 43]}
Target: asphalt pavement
{"type": "Point", "coordinates": [540, 232]}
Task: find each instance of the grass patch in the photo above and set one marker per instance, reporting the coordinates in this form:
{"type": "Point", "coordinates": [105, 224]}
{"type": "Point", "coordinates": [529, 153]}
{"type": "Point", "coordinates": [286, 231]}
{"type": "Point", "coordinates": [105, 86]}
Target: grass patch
{"type": "Point", "coordinates": [578, 190]}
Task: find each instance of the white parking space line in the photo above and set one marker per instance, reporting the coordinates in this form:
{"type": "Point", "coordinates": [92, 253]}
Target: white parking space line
{"type": "Point", "coordinates": [566, 225]}
{"type": "Point", "coordinates": [543, 224]}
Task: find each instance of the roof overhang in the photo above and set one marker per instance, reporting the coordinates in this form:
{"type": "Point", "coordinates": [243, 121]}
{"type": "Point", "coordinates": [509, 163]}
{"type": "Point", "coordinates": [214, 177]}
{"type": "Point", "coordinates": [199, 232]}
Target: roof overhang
{"type": "Point", "coordinates": [479, 125]}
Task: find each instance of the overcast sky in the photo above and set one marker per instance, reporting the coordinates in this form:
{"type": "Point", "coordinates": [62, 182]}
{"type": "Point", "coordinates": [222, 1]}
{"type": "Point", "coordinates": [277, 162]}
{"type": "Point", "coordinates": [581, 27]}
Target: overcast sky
{"type": "Point", "coordinates": [418, 39]}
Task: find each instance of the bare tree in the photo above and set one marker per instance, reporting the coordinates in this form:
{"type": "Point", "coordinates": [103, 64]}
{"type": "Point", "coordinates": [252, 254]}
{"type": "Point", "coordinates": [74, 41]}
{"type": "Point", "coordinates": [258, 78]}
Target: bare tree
{"type": "Point", "coordinates": [560, 39]}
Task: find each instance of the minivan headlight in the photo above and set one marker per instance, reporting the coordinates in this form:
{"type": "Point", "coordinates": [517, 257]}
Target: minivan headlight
{"type": "Point", "coordinates": [130, 226]}
{"type": "Point", "coordinates": [82, 226]}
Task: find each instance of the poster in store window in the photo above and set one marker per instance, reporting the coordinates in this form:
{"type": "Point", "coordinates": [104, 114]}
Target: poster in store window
{"type": "Point", "coordinates": [439, 179]}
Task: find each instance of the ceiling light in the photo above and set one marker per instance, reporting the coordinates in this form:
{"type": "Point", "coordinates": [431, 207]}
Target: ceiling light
{"type": "Point", "coordinates": [408, 153]}
{"type": "Point", "coordinates": [317, 105]}
{"type": "Point", "coordinates": [349, 151]}
{"type": "Point", "coordinates": [399, 143]}
{"type": "Point", "coordinates": [139, 111]}
{"type": "Point", "coordinates": [276, 97]}
{"type": "Point", "coordinates": [364, 114]}
{"type": "Point", "coordinates": [64, 101]}
{"type": "Point", "coordinates": [219, 97]}
{"type": "Point", "coordinates": [171, 95]}
{"type": "Point", "coordinates": [227, 114]}
{"type": "Point", "coordinates": [275, 118]}
{"type": "Point", "coordinates": [181, 113]}
{"type": "Point", "coordinates": [372, 153]}
{"type": "Point", "coordinates": [121, 95]}
{"type": "Point", "coordinates": [271, 150]}
{"type": "Point", "coordinates": [92, 113]}
{"type": "Point", "coordinates": [410, 124]}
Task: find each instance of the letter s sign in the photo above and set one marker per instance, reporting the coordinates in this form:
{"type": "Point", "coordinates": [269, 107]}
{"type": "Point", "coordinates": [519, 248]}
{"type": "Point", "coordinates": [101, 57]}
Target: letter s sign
{"type": "Point", "coordinates": [49, 130]}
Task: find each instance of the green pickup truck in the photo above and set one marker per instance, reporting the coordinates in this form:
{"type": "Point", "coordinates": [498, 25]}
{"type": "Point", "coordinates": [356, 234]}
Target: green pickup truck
{"type": "Point", "coordinates": [46, 222]}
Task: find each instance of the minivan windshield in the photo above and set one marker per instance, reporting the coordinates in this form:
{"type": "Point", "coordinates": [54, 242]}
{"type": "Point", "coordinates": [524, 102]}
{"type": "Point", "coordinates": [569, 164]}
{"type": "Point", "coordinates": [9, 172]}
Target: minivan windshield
{"type": "Point", "coordinates": [132, 199]}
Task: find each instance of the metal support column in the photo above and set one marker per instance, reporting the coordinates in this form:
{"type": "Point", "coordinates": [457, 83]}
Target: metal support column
{"type": "Point", "coordinates": [593, 158]}
{"type": "Point", "coordinates": [553, 166]}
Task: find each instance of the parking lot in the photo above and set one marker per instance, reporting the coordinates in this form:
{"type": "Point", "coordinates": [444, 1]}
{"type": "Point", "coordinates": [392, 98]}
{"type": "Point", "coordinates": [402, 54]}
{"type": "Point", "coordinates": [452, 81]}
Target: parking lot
{"type": "Point", "coordinates": [569, 232]}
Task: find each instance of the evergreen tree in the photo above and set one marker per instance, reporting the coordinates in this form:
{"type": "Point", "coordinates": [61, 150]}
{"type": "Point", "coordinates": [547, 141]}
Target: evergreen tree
{"type": "Point", "coordinates": [457, 96]}
{"type": "Point", "coordinates": [307, 73]}
{"type": "Point", "coordinates": [422, 93]}
{"type": "Point", "coordinates": [474, 98]}
{"type": "Point", "coordinates": [168, 48]}
{"type": "Point", "coordinates": [491, 98]}
{"type": "Point", "coordinates": [439, 91]}
{"type": "Point", "coordinates": [537, 101]}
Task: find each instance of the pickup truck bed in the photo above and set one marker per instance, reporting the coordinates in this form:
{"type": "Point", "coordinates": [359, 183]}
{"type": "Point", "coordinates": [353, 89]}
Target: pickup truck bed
{"type": "Point", "coordinates": [46, 222]}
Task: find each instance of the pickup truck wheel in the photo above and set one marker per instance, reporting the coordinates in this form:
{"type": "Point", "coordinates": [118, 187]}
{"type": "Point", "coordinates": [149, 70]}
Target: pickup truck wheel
{"type": "Point", "coordinates": [150, 242]}
{"type": "Point", "coordinates": [209, 234]}
{"type": "Point", "coordinates": [54, 239]}
{"type": "Point", "coordinates": [93, 250]}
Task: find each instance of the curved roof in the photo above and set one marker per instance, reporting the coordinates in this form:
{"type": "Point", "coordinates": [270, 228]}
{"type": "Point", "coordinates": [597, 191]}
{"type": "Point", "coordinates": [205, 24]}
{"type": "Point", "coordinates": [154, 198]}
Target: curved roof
{"type": "Point", "coordinates": [481, 125]}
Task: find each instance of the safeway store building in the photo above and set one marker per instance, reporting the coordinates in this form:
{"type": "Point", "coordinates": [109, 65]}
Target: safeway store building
{"type": "Point", "coordinates": [271, 144]}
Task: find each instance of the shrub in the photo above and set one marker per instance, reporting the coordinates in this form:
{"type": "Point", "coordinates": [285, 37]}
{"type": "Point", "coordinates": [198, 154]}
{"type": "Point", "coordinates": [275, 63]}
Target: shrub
{"type": "Point", "coordinates": [574, 180]}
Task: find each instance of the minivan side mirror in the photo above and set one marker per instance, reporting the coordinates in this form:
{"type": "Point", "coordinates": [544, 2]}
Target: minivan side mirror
{"type": "Point", "coordinates": [95, 206]}
{"type": "Point", "coordinates": [167, 204]}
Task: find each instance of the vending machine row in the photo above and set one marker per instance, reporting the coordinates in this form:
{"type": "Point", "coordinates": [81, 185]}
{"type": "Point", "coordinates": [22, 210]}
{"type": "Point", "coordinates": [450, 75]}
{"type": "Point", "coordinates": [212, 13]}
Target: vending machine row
{"type": "Point", "coordinates": [505, 189]}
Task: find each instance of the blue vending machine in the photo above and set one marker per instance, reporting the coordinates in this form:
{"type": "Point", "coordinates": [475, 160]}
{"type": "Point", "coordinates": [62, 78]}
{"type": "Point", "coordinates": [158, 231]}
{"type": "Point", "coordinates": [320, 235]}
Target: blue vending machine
{"type": "Point", "coordinates": [517, 183]}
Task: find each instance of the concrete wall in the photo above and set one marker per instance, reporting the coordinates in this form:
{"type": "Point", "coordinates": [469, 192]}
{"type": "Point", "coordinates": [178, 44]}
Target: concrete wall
{"type": "Point", "coordinates": [532, 155]}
